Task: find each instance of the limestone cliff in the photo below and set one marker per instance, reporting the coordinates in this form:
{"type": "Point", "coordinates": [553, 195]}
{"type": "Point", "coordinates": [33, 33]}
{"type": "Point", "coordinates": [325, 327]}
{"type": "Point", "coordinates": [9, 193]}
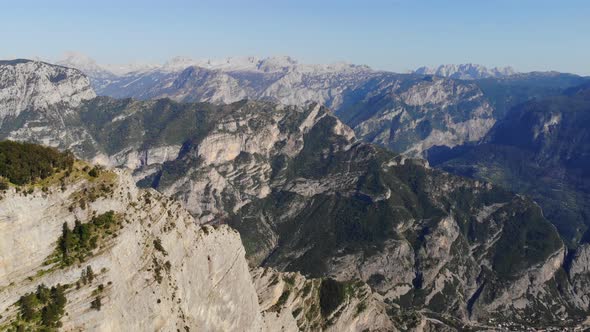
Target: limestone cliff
{"type": "Point", "coordinates": [194, 278]}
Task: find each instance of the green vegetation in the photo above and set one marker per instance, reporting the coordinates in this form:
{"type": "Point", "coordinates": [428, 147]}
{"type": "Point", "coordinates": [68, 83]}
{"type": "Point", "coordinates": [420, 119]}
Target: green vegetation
{"type": "Point", "coordinates": [289, 280]}
{"type": "Point", "coordinates": [42, 310]}
{"type": "Point", "coordinates": [551, 166]}
{"type": "Point", "coordinates": [527, 239]}
{"type": "Point", "coordinates": [296, 312]}
{"type": "Point", "coordinates": [283, 298]}
{"type": "Point", "coordinates": [361, 307]}
{"type": "Point", "coordinates": [96, 304]}
{"type": "Point", "coordinates": [307, 288]}
{"type": "Point", "coordinates": [24, 163]}
{"type": "Point", "coordinates": [77, 244]}
{"type": "Point", "coordinates": [332, 294]}
{"type": "Point", "coordinates": [158, 246]}
{"type": "Point", "coordinates": [161, 122]}
{"type": "Point", "coordinates": [157, 267]}
{"type": "Point", "coordinates": [4, 184]}
{"type": "Point", "coordinates": [95, 171]}
{"type": "Point", "coordinates": [87, 275]}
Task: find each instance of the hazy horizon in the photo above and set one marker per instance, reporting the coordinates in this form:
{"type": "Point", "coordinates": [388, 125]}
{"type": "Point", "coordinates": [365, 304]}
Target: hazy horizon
{"type": "Point", "coordinates": [399, 35]}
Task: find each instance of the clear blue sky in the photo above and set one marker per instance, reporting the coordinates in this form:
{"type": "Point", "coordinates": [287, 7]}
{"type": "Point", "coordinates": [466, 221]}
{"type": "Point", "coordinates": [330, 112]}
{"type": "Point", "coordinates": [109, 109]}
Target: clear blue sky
{"type": "Point", "coordinates": [394, 35]}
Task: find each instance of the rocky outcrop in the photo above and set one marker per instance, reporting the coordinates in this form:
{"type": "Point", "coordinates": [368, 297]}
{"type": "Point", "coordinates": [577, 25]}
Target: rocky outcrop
{"type": "Point", "coordinates": [38, 103]}
{"type": "Point", "coordinates": [157, 269]}
{"type": "Point", "coordinates": [410, 115]}
{"type": "Point", "coordinates": [540, 149]}
{"type": "Point", "coordinates": [195, 278]}
{"type": "Point", "coordinates": [291, 302]}
{"type": "Point", "coordinates": [579, 274]}
{"type": "Point", "coordinates": [33, 85]}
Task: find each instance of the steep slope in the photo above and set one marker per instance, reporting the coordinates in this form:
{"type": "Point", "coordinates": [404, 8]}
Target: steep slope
{"type": "Point", "coordinates": [540, 149]}
{"type": "Point", "coordinates": [129, 259]}
{"type": "Point", "coordinates": [229, 80]}
{"type": "Point", "coordinates": [154, 267]}
{"type": "Point", "coordinates": [291, 301]}
{"type": "Point", "coordinates": [31, 84]}
{"type": "Point", "coordinates": [508, 92]}
{"type": "Point", "coordinates": [410, 114]}
{"type": "Point", "coordinates": [38, 103]}
{"type": "Point", "coordinates": [307, 197]}
{"type": "Point", "coordinates": [405, 113]}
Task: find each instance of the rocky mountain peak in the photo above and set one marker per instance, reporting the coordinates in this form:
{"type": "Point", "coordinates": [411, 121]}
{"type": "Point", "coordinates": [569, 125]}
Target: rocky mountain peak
{"type": "Point", "coordinates": [101, 71]}
{"type": "Point", "coordinates": [467, 71]}
{"type": "Point", "coordinates": [35, 85]}
{"type": "Point", "coordinates": [108, 247]}
{"type": "Point", "coordinates": [276, 63]}
{"type": "Point", "coordinates": [80, 61]}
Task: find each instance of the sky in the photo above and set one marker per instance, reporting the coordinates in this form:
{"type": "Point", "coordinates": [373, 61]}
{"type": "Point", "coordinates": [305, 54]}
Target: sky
{"type": "Point", "coordinates": [396, 35]}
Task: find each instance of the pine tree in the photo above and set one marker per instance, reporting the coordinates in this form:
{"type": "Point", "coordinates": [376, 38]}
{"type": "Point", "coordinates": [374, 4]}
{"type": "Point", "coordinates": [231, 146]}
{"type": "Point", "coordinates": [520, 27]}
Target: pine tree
{"type": "Point", "coordinates": [83, 277]}
{"type": "Point", "coordinates": [89, 273]}
{"type": "Point", "coordinates": [28, 304]}
{"type": "Point", "coordinates": [43, 293]}
{"type": "Point", "coordinates": [67, 240]}
{"type": "Point", "coordinates": [58, 297]}
{"type": "Point", "coordinates": [96, 303]}
{"type": "Point", "coordinates": [3, 184]}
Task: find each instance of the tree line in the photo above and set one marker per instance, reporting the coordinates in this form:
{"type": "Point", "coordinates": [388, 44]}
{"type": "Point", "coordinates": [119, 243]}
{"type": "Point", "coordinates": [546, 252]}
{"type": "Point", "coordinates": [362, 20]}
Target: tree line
{"type": "Point", "coordinates": [22, 163]}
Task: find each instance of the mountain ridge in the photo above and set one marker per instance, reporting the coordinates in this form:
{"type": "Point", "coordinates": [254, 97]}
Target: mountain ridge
{"type": "Point", "coordinates": [307, 195]}
{"type": "Point", "coordinates": [467, 71]}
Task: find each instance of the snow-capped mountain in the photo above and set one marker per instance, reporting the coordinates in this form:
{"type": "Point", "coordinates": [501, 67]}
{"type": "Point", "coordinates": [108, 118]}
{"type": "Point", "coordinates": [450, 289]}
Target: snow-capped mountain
{"type": "Point", "coordinates": [467, 71]}
{"type": "Point", "coordinates": [270, 64]}
{"type": "Point", "coordinates": [91, 68]}
{"type": "Point", "coordinates": [371, 102]}
{"type": "Point", "coordinates": [245, 63]}
{"type": "Point", "coordinates": [226, 80]}
{"type": "Point", "coordinates": [83, 63]}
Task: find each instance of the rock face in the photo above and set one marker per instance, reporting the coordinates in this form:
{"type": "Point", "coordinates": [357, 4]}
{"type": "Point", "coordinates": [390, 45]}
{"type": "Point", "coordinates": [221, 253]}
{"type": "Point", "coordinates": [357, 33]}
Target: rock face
{"type": "Point", "coordinates": [540, 149]}
{"type": "Point", "coordinates": [411, 115]}
{"type": "Point", "coordinates": [406, 113]}
{"type": "Point", "coordinates": [580, 276]}
{"type": "Point", "coordinates": [30, 85]}
{"type": "Point", "coordinates": [196, 278]}
{"type": "Point", "coordinates": [38, 102]}
{"type": "Point", "coordinates": [281, 79]}
{"type": "Point", "coordinates": [307, 196]}
{"type": "Point", "coordinates": [291, 302]}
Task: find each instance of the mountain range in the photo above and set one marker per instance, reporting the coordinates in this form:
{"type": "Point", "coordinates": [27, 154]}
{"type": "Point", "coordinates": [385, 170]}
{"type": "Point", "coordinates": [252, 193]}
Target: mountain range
{"type": "Point", "coordinates": [422, 110]}
{"type": "Point", "coordinates": [334, 232]}
{"type": "Point", "coordinates": [541, 149]}
{"type": "Point", "coordinates": [467, 71]}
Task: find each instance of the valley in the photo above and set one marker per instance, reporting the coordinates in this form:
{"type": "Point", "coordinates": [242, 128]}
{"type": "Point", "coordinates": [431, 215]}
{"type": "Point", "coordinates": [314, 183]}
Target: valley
{"type": "Point", "coordinates": [291, 216]}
